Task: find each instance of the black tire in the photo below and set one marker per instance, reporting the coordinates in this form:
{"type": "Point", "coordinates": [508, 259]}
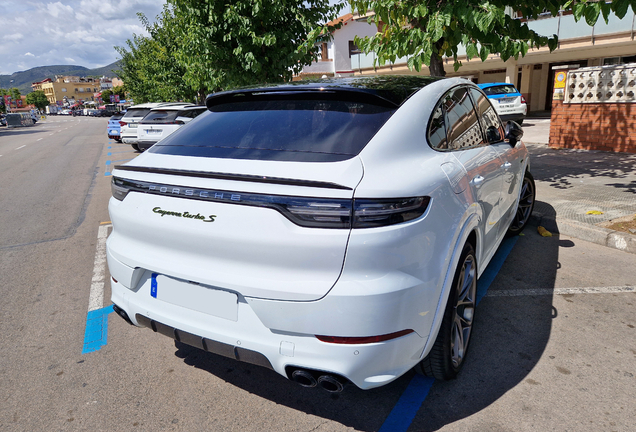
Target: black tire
{"type": "Point", "coordinates": [449, 351]}
{"type": "Point", "coordinates": [524, 208]}
{"type": "Point", "coordinates": [136, 147]}
{"type": "Point", "coordinates": [520, 122]}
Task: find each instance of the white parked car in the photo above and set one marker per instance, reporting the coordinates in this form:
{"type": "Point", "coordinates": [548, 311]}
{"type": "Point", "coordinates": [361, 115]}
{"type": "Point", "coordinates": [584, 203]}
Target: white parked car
{"type": "Point", "coordinates": [507, 100]}
{"type": "Point", "coordinates": [162, 121]}
{"type": "Point", "coordinates": [332, 231]}
{"type": "Point", "coordinates": [134, 114]}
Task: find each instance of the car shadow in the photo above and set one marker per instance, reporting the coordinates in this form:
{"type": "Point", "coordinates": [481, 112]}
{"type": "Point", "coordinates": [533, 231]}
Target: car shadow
{"type": "Point", "coordinates": [510, 335]}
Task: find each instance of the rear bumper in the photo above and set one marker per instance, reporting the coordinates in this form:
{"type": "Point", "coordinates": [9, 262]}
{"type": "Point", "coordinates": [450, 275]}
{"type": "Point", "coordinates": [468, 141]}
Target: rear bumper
{"type": "Point", "coordinates": [247, 339]}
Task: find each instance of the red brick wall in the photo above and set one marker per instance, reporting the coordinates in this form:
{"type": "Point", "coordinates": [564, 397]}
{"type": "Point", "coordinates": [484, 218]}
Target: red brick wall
{"type": "Point", "coordinates": [602, 126]}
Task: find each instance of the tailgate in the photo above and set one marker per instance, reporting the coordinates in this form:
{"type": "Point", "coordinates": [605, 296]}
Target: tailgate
{"type": "Point", "coordinates": [225, 229]}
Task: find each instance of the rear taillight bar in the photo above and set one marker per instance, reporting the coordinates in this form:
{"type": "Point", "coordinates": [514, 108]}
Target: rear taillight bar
{"type": "Point", "coordinates": [304, 211]}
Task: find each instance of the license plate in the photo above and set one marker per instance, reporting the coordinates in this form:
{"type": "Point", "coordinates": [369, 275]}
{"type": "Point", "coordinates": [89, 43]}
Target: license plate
{"type": "Point", "coordinates": [153, 131]}
{"type": "Point", "coordinates": [506, 100]}
{"type": "Point", "coordinates": [132, 125]}
{"type": "Point", "coordinates": [197, 297]}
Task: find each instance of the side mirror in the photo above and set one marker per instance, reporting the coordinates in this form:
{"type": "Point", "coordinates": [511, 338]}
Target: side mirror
{"type": "Point", "coordinates": [514, 132]}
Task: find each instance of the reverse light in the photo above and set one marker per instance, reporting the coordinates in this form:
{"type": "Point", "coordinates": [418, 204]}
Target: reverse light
{"type": "Point", "coordinates": [363, 339]}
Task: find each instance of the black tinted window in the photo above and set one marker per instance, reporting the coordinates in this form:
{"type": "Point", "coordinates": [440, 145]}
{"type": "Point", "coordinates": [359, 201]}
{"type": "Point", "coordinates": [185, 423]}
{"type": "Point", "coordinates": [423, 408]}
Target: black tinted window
{"type": "Point", "coordinates": [289, 130]}
{"type": "Point", "coordinates": [136, 112]}
{"type": "Point", "coordinates": [161, 116]}
{"type": "Point", "coordinates": [437, 130]}
{"type": "Point", "coordinates": [463, 129]}
{"type": "Point", "coordinates": [500, 89]}
{"type": "Point", "coordinates": [487, 116]}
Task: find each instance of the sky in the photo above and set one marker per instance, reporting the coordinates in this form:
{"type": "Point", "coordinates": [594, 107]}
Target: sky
{"type": "Point", "coordinates": [68, 32]}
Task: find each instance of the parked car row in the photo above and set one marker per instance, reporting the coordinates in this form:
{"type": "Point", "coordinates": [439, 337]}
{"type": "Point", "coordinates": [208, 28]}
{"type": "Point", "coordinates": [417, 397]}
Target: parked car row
{"type": "Point", "coordinates": [145, 124]}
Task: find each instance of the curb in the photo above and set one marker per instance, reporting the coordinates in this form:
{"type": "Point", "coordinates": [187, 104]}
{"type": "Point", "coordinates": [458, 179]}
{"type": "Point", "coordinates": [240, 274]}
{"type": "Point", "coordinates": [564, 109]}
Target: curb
{"type": "Point", "coordinates": [605, 237]}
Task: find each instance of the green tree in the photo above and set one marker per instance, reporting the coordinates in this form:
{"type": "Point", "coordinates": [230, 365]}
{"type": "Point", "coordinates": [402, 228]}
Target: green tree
{"type": "Point", "coordinates": [3, 93]}
{"type": "Point", "coordinates": [198, 46]}
{"type": "Point", "coordinates": [15, 93]}
{"type": "Point", "coordinates": [37, 98]}
{"type": "Point", "coordinates": [106, 96]}
{"type": "Point", "coordinates": [120, 91]}
{"type": "Point", "coordinates": [229, 44]}
{"type": "Point", "coordinates": [430, 29]}
{"type": "Point", "coordinates": [150, 68]}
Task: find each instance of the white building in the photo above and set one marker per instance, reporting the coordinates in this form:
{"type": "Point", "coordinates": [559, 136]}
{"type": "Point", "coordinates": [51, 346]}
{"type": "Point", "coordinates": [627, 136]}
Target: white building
{"type": "Point", "coordinates": [336, 54]}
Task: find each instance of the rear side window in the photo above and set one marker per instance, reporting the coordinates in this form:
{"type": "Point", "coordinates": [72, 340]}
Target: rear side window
{"type": "Point", "coordinates": [463, 129]}
{"type": "Point", "coordinates": [500, 90]}
{"type": "Point", "coordinates": [453, 123]}
{"type": "Point", "coordinates": [159, 117]}
{"type": "Point", "coordinates": [488, 117]}
{"type": "Point", "coordinates": [280, 129]}
{"type": "Point", "coordinates": [136, 112]}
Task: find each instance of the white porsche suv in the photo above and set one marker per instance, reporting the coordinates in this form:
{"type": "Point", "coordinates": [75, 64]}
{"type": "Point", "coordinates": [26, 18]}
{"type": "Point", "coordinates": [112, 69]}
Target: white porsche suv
{"type": "Point", "coordinates": [332, 231]}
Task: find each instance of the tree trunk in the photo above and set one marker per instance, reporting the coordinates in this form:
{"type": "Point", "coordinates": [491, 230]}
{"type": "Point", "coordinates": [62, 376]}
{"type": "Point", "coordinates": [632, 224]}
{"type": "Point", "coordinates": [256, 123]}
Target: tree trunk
{"type": "Point", "coordinates": [437, 66]}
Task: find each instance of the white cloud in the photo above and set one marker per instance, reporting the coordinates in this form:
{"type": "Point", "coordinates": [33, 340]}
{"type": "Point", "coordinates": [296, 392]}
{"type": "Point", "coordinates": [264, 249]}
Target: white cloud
{"type": "Point", "coordinates": [13, 37]}
{"type": "Point", "coordinates": [79, 32]}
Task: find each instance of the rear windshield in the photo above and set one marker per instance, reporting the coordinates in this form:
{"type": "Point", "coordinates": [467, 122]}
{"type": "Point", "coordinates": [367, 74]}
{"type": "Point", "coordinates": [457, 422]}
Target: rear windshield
{"type": "Point", "coordinates": [136, 112]}
{"type": "Point", "coordinates": [500, 90]}
{"type": "Point", "coordinates": [285, 130]}
{"type": "Point", "coordinates": [161, 116]}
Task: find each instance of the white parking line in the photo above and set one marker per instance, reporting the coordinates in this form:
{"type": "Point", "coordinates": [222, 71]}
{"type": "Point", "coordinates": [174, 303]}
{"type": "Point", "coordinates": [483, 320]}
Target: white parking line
{"type": "Point", "coordinates": [38, 139]}
{"type": "Point", "coordinates": [21, 147]}
{"type": "Point", "coordinates": [561, 291]}
{"type": "Point", "coordinates": [96, 296]}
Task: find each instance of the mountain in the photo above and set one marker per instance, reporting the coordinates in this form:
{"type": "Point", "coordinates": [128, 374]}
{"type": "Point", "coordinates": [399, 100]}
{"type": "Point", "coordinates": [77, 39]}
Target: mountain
{"type": "Point", "coordinates": [23, 80]}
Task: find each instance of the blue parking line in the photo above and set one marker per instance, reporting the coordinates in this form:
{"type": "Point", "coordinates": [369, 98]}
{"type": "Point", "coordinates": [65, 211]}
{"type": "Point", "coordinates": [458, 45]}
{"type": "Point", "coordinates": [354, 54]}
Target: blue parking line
{"type": "Point", "coordinates": [108, 162]}
{"type": "Point", "coordinates": [407, 407]}
{"type": "Point", "coordinates": [96, 333]}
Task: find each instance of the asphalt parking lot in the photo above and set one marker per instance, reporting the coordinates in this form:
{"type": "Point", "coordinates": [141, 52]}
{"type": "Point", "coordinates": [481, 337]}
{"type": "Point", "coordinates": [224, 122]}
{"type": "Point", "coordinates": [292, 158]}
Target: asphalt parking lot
{"type": "Point", "coordinates": [554, 347]}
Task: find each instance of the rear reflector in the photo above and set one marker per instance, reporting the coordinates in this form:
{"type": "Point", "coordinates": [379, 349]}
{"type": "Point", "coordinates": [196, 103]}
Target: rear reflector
{"type": "Point", "coordinates": [364, 339]}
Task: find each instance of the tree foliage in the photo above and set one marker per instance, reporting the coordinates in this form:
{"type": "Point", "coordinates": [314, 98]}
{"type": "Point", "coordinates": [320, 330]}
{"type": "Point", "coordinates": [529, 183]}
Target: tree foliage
{"type": "Point", "coordinates": [430, 29]}
{"type": "Point", "coordinates": [150, 68]}
{"type": "Point", "coordinates": [200, 46]}
{"type": "Point", "coordinates": [37, 98]}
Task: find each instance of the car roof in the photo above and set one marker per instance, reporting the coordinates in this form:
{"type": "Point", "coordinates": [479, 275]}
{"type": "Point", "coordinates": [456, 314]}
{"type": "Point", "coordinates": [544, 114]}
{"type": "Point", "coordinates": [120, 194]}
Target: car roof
{"type": "Point", "coordinates": [172, 107]}
{"type": "Point", "coordinates": [389, 90]}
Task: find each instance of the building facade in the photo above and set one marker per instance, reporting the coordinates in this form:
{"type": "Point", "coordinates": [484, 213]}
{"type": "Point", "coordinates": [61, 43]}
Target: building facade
{"type": "Point", "coordinates": [65, 89]}
{"type": "Point", "coordinates": [580, 45]}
